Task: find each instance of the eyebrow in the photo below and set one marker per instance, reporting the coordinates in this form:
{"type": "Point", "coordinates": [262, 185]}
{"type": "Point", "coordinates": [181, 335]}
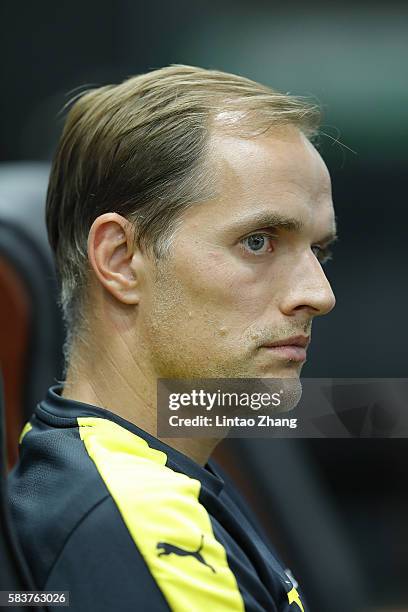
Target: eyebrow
{"type": "Point", "coordinates": [275, 221]}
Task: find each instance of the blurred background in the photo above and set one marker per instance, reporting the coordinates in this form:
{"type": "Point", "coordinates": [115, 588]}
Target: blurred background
{"type": "Point", "coordinates": [345, 531]}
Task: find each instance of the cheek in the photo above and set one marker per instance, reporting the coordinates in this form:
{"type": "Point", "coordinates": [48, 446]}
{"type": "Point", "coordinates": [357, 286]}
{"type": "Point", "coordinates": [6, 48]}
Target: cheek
{"type": "Point", "coordinates": [222, 285]}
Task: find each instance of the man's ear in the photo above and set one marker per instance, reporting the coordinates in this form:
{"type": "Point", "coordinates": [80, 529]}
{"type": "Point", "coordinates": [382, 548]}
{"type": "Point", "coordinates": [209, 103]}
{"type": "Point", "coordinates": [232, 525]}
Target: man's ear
{"type": "Point", "coordinates": [111, 255]}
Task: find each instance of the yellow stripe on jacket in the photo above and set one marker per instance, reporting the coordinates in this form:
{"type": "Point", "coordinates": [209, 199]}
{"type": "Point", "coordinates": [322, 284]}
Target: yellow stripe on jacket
{"type": "Point", "coordinates": [165, 518]}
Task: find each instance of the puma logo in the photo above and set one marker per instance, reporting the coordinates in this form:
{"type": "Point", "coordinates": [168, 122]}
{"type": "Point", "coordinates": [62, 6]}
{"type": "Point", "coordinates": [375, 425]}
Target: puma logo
{"type": "Point", "coordinates": [168, 549]}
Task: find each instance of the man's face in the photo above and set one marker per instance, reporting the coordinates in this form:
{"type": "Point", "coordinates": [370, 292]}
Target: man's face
{"type": "Point", "coordinates": [244, 270]}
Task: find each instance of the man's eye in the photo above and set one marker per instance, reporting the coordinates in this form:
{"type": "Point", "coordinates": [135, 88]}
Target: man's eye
{"type": "Point", "coordinates": [323, 254]}
{"type": "Point", "coordinates": [258, 244]}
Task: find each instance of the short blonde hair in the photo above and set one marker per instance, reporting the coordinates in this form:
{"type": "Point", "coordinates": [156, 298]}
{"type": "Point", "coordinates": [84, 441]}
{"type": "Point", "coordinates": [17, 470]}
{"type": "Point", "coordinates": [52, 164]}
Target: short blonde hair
{"type": "Point", "coordinates": [139, 149]}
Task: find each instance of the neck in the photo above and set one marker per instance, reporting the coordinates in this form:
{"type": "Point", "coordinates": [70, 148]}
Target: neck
{"type": "Point", "coordinates": [132, 398]}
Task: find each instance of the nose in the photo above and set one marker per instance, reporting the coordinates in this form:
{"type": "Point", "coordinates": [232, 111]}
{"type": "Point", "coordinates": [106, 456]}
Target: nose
{"type": "Point", "coordinates": [308, 289]}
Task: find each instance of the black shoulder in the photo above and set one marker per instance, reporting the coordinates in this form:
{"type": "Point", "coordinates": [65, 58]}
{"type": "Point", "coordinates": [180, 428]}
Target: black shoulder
{"type": "Point", "coordinates": [102, 568]}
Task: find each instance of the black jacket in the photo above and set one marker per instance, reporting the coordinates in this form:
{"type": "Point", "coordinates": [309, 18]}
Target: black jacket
{"type": "Point", "coordinates": [126, 523]}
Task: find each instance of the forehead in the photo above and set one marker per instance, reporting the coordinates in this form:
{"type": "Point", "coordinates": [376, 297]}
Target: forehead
{"type": "Point", "coordinates": [280, 171]}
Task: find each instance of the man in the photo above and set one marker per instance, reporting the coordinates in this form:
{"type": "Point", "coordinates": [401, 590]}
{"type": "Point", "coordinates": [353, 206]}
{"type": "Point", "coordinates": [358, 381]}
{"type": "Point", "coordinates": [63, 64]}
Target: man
{"type": "Point", "coordinates": [189, 215]}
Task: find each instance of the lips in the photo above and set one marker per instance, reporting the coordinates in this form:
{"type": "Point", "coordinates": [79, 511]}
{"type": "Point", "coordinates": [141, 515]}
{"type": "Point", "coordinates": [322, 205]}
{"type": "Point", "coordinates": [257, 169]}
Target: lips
{"type": "Point", "coordinates": [292, 349]}
{"type": "Point", "coordinates": [301, 341]}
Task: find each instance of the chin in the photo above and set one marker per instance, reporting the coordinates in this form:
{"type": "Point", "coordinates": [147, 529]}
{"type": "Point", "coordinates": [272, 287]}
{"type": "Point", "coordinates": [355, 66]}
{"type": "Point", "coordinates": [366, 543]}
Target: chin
{"type": "Point", "coordinates": [292, 393]}
{"type": "Point", "coordinates": [289, 371]}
